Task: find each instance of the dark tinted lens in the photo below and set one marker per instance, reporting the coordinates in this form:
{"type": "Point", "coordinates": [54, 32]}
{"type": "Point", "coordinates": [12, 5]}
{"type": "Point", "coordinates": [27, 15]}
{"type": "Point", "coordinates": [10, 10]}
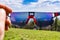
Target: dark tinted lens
{"type": "Point", "coordinates": [43, 18]}
{"type": "Point", "coordinates": [19, 18]}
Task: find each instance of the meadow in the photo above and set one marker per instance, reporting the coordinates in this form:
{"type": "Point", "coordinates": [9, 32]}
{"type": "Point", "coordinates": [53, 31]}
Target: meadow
{"type": "Point", "coordinates": [27, 34]}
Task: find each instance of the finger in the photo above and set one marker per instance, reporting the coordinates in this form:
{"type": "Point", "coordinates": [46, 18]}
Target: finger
{"type": "Point", "coordinates": [7, 23]}
{"type": "Point", "coordinates": [2, 23]}
{"type": "Point", "coordinates": [7, 9]}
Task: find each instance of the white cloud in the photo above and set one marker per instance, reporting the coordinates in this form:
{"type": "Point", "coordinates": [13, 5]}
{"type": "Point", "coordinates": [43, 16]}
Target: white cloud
{"type": "Point", "coordinates": [40, 6]}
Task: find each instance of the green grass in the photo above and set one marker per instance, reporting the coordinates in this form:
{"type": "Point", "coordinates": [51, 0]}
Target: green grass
{"type": "Point", "coordinates": [25, 34]}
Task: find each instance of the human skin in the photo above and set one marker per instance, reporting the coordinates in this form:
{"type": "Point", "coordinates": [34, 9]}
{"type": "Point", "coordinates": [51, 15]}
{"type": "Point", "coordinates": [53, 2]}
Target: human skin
{"type": "Point", "coordinates": [4, 22]}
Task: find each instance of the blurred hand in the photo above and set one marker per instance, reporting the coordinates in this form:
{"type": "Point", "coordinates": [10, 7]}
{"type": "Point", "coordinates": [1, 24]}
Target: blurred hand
{"type": "Point", "coordinates": [7, 10]}
{"type": "Point", "coordinates": [4, 22]}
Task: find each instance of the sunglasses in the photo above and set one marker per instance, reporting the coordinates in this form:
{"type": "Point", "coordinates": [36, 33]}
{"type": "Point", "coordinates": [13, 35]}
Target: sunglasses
{"type": "Point", "coordinates": [39, 18]}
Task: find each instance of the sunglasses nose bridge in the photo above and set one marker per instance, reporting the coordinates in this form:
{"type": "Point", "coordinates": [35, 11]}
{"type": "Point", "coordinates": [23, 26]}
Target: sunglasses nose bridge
{"type": "Point", "coordinates": [31, 17]}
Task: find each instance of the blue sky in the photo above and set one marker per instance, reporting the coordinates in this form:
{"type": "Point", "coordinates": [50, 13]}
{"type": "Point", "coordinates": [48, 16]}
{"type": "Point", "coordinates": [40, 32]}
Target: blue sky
{"type": "Point", "coordinates": [29, 1]}
{"type": "Point", "coordinates": [33, 5]}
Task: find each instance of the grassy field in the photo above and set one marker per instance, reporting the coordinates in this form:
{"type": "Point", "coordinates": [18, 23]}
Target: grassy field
{"type": "Point", "coordinates": [25, 34]}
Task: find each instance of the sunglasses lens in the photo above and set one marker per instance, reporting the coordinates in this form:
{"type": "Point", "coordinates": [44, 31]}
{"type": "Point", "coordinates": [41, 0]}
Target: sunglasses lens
{"type": "Point", "coordinates": [43, 18]}
{"type": "Point", "coordinates": [19, 18]}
